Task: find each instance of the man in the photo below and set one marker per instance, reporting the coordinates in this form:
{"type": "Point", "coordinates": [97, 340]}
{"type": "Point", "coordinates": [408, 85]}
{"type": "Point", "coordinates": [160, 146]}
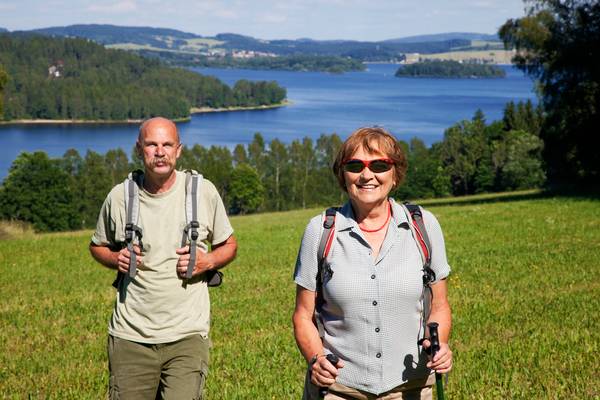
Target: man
{"type": "Point", "coordinates": [158, 334]}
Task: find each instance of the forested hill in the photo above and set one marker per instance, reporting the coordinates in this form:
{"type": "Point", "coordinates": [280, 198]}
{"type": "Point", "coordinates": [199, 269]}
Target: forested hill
{"type": "Point", "coordinates": [68, 78]}
{"type": "Point", "coordinates": [111, 34]}
{"type": "Point", "coordinates": [160, 39]}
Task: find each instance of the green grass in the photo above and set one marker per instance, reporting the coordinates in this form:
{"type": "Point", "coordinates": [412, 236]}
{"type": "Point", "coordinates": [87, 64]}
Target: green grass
{"type": "Point", "coordinates": [525, 293]}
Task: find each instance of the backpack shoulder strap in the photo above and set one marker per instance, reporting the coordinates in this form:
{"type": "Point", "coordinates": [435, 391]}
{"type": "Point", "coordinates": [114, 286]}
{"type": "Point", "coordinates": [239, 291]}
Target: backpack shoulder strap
{"type": "Point", "coordinates": [133, 232]}
{"type": "Point", "coordinates": [417, 227]}
{"type": "Point", "coordinates": [420, 233]}
{"type": "Point", "coordinates": [327, 234]}
{"type": "Point", "coordinates": [324, 247]}
{"type": "Point", "coordinates": [193, 181]}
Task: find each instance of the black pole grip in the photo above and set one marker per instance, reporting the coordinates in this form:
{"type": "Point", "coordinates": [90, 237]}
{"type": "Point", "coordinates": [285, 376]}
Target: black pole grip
{"type": "Point", "coordinates": [333, 359]}
{"type": "Point", "coordinates": [434, 338]}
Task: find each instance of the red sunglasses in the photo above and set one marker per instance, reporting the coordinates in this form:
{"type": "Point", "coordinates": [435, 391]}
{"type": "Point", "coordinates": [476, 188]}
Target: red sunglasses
{"type": "Point", "coordinates": [377, 166]}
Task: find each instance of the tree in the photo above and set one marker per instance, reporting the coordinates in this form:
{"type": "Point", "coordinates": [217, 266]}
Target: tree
{"type": "Point", "coordinates": [93, 184]}
{"type": "Point", "coordinates": [461, 151]}
{"type": "Point", "coordinates": [277, 163]}
{"type": "Point", "coordinates": [247, 192]}
{"type": "Point", "coordinates": [3, 80]}
{"type": "Point", "coordinates": [326, 150]}
{"type": "Point", "coordinates": [518, 160]}
{"type": "Point", "coordinates": [558, 43]}
{"type": "Point", "coordinates": [303, 161]}
{"type": "Point", "coordinates": [117, 165]}
{"type": "Point", "coordinates": [239, 154]}
{"type": "Point", "coordinates": [421, 174]}
{"type": "Point", "coordinates": [256, 154]}
{"type": "Point", "coordinates": [37, 190]}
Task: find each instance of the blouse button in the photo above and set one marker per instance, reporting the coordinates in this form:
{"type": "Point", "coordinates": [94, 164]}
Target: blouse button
{"type": "Point", "coordinates": [373, 276]}
{"type": "Point", "coordinates": [374, 302]}
{"type": "Point", "coordinates": [378, 355]}
{"type": "Point", "coordinates": [377, 330]}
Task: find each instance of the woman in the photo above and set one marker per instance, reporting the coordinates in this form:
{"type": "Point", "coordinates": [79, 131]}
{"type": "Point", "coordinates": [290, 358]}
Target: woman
{"type": "Point", "coordinates": [372, 309]}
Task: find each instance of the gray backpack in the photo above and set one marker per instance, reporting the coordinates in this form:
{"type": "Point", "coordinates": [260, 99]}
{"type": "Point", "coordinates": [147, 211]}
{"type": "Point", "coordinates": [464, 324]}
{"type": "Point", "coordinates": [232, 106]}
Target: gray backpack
{"type": "Point", "coordinates": [134, 234]}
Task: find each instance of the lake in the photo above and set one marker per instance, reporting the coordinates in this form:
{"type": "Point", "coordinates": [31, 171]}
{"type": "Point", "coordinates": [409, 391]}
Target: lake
{"type": "Point", "coordinates": [322, 103]}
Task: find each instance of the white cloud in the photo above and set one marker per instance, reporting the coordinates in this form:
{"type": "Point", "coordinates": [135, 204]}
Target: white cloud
{"type": "Point", "coordinates": [114, 8]}
{"type": "Point", "coordinates": [8, 7]}
{"type": "Point", "coordinates": [225, 13]}
{"type": "Point", "coordinates": [271, 18]}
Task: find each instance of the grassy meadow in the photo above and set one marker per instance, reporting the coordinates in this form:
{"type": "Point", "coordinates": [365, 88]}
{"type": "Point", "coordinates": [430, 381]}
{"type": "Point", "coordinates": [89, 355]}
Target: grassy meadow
{"type": "Point", "coordinates": [525, 293]}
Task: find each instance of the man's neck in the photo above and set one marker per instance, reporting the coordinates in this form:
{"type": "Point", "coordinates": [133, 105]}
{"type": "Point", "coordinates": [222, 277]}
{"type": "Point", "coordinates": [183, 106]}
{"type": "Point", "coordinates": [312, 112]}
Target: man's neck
{"type": "Point", "coordinates": [159, 184]}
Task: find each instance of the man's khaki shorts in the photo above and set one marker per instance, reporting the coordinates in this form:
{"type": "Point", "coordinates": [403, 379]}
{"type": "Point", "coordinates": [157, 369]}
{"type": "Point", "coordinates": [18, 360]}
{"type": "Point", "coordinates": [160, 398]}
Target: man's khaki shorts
{"type": "Point", "coordinates": [140, 371]}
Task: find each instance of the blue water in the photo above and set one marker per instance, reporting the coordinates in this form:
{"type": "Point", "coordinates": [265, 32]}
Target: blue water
{"type": "Point", "coordinates": [322, 103]}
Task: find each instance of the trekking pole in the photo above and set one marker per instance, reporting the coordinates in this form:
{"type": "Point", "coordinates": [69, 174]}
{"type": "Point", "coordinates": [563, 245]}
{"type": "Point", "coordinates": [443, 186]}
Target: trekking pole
{"type": "Point", "coordinates": [333, 359]}
{"type": "Point", "coordinates": [435, 347]}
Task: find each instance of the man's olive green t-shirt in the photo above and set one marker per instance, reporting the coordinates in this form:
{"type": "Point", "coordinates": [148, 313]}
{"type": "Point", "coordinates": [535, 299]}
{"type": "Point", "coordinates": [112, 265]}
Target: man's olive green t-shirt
{"type": "Point", "coordinates": [157, 307]}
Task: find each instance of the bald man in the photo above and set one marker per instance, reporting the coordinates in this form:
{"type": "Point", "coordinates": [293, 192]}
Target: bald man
{"type": "Point", "coordinates": [158, 342]}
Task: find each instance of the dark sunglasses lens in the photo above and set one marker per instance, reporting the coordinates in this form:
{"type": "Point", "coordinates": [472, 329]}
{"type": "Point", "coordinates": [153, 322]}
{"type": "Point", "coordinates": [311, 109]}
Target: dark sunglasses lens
{"type": "Point", "coordinates": [380, 166]}
{"type": "Point", "coordinates": [354, 166]}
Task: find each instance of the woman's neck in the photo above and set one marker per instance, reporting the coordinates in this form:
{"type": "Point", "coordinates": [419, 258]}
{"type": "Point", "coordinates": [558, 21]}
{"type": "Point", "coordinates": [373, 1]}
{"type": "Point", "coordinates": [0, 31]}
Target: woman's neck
{"type": "Point", "coordinates": [370, 212]}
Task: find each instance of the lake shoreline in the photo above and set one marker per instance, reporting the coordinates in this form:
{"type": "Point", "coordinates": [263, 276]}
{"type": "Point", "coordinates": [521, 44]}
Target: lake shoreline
{"type": "Point", "coordinates": [193, 111]}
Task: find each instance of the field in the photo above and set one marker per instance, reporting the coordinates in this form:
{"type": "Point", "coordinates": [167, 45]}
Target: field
{"type": "Point", "coordinates": [494, 56]}
{"type": "Point", "coordinates": [525, 293]}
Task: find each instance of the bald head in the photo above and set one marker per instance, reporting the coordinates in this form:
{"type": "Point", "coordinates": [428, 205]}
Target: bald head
{"type": "Point", "coordinates": [159, 148]}
{"type": "Point", "coordinates": [157, 123]}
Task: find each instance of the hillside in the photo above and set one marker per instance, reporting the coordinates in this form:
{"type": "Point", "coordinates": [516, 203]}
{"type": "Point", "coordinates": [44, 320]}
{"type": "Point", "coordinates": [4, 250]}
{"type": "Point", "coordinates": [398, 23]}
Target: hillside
{"type": "Point", "coordinates": [442, 37]}
{"type": "Point", "coordinates": [186, 48]}
{"type": "Point", "coordinates": [75, 79]}
{"type": "Point", "coordinates": [524, 325]}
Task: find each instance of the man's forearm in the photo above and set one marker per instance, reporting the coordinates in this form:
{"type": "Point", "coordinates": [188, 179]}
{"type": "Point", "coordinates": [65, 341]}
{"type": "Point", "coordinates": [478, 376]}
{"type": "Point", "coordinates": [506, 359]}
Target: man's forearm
{"type": "Point", "coordinates": [223, 253]}
{"type": "Point", "coordinates": [105, 256]}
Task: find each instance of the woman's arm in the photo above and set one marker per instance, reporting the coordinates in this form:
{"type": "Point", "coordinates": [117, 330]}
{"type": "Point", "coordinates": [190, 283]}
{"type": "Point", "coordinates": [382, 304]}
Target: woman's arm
{"type": "Point", "coordinates": [308, 340]}
{"type": "Point", "coordinates": [440, 313]}
{"type": "Point", "coordinates": [305, 330]}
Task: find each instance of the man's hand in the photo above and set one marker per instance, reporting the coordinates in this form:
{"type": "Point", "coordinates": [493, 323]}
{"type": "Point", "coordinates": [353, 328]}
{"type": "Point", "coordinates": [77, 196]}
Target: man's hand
{"type": "Point", "coordinates": [124, 258]}
{"type": "Point", "coordinates": [203, 261]}
{"type": "Point", "coordinates": [116, 259]}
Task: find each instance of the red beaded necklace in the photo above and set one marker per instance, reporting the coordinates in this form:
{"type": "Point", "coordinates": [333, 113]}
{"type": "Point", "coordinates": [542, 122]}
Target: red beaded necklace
{"type": "Point", "coordinates": [382, 226]}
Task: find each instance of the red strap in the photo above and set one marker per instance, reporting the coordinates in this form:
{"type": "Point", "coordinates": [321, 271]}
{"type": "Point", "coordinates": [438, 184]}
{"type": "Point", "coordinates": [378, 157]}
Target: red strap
{"type": "Point", "coordinates": [420, 239]}
{"type": "Point", "coordinates": [328, 243]}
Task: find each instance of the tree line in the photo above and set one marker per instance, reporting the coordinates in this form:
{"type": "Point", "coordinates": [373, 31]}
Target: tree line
{"type": "Point", "coordinates": [474, 156]}
{"type": "Point", "coordinates": [296, 62]}
{"type": "Point", "coordinates": [63, 78]}
{"type": "Point", "coordinates": [449, 69]}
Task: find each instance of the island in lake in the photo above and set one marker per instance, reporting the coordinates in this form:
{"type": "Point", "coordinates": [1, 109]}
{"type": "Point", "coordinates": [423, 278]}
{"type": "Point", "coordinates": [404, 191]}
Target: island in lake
{"type": "Point", "coordinates": [449, 69]}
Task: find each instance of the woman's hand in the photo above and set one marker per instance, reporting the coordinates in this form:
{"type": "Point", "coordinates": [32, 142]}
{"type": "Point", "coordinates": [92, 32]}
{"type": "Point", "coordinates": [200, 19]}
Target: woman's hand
{"type": "Point", "coordinates": [323, 373]}
{"type": "Point", "coordinates": [442, 362]}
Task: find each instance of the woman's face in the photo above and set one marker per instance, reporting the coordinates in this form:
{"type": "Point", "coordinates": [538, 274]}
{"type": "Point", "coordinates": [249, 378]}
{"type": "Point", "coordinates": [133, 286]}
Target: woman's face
{"type": "Point", "coordinates": [367, 188]}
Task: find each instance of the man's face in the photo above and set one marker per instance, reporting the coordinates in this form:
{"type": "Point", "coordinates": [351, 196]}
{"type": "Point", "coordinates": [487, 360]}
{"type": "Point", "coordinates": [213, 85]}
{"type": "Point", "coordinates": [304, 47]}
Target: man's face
{"type": "Point", "coordinates": [159, 147]}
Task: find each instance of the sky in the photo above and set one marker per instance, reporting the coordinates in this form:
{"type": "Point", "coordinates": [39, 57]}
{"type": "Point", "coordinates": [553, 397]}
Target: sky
{"type": "Point", "coordinates": [366, 20]}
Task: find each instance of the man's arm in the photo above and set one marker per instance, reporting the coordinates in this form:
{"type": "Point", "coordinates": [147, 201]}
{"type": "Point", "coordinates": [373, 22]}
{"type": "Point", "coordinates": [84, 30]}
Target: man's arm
{"type": "Point", "coordinates": [114, 259]}
{"type": "Point", "coordinates": [221, 255]}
